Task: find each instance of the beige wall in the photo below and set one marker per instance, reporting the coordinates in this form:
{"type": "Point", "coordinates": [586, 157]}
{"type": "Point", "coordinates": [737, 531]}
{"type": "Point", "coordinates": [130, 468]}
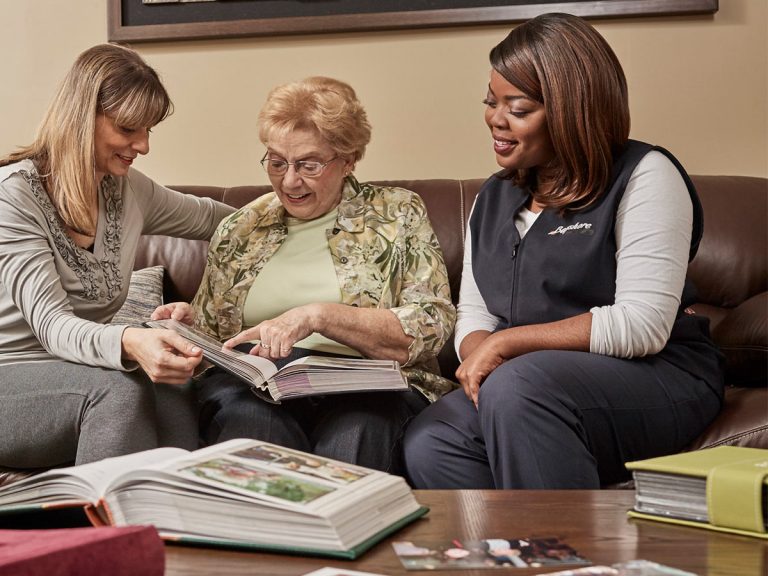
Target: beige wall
{"type": "Point", "coordinates": [698, 86]}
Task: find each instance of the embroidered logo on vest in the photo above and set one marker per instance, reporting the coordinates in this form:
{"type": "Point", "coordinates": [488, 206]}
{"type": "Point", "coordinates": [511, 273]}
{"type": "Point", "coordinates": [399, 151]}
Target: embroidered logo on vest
{"type": "Point", "coordinates": [580, 227]}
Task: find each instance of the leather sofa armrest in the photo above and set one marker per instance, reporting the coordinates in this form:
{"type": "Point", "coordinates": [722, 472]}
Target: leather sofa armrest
{"type": "Point", "coordinates": [743, 338]}
{"type": "Point", "coordinates": [742, 421]}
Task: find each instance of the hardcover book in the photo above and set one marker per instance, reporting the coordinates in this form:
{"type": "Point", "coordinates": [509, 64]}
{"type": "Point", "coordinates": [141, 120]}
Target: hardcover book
{"type": "Point", "coordinates": [723, 488]}
{"type": "Point", "coordinates": [308, 376]}
{"type": "Point", "coordinates": [239, 494]}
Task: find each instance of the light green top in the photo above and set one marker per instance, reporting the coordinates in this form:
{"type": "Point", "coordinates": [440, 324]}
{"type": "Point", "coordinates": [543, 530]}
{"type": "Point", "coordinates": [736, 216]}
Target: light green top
{"type": "Point", "coordinates": [301, 271]}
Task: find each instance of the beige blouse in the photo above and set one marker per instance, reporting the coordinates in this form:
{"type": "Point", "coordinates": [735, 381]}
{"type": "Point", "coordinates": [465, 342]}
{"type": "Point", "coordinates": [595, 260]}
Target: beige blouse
{"type": "Point", "coordinates": [56, 298]}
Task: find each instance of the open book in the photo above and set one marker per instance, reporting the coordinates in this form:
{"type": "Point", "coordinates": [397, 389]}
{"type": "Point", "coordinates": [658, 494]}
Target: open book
{"type": "Point", "coordinates": [308, 376]}
{"type": "Point", "coordinates": [241, 494]}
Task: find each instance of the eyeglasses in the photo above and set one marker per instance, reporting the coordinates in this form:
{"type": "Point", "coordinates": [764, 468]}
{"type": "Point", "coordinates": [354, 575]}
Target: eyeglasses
{"type": "Point", "coordinates": [304, 168]}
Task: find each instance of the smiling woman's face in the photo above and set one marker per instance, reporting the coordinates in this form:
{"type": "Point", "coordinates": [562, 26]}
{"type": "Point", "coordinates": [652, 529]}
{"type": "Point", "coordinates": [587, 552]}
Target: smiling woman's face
{"type": "Point", "coordinates": [116, 147]}
{"type": "Point", "coordinates": [518, 125]}
{"type": "Point", "coordinates": [307, 198]}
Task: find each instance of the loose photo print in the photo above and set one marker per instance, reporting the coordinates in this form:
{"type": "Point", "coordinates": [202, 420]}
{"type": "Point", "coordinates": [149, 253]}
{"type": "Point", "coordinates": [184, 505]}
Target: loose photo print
{"type": "Point", "coordinates": [487, 553]}
{"type": "Point", "coordinates": [268, 483]}
{"type": "Point", "coordinates": [309, 465]}
{"type": "Point", "coordinates": [328, 571]}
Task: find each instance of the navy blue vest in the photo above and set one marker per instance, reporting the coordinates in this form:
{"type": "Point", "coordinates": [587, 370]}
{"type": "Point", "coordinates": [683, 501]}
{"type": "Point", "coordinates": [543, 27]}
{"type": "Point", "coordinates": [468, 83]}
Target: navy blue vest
{"type": "Point", "coordinates": [566, 264]}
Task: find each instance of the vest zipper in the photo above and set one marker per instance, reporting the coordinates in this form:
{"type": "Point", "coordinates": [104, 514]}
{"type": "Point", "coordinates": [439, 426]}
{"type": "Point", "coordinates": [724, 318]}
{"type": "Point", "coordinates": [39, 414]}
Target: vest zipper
{"type": "Point", "coordinates": [512, 314]}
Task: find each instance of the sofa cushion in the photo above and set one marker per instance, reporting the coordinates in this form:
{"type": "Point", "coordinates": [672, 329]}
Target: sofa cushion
{"type": "Point", "coordinates": [741, 422]}
{"type": "Point", "coordinates": [145, 293]}
{"type": "Point", "coordinates": [732, 263]}
{"type": "Point", "coordinates": [743, 338]}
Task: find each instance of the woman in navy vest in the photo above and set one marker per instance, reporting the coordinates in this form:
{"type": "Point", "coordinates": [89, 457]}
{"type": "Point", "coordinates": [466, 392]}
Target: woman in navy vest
{"type": "Point", "coordinates": [578, 350]}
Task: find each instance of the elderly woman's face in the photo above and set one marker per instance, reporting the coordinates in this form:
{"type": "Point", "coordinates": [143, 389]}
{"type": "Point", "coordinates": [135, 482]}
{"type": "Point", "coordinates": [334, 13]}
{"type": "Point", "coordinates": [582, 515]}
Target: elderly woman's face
{"type": "Point", "coordinates": [306, 197]}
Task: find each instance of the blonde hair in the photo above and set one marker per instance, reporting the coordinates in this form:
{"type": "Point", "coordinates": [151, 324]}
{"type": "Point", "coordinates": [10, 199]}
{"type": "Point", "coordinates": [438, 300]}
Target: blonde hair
{"type": "Point", "coordinates": [107, 79]}
{"type": "Point", "coordinates": [328, 106]}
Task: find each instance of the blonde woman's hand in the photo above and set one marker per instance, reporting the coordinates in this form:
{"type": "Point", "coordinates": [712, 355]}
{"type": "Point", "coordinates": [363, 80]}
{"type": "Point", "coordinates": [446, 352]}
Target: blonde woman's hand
{"type": "Point", "coordinates": [179, 311]}
{"type": "Point", "coordinates": [164, 355]}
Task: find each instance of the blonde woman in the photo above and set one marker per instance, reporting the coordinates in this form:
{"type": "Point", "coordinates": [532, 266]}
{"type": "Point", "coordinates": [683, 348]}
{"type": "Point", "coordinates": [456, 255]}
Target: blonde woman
{"type": "Point", "coordinates": [73, 387]}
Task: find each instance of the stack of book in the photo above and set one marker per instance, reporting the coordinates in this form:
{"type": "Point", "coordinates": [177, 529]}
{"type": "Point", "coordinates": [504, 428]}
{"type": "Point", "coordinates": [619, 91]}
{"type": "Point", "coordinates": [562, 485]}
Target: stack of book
{"type": "Point", "coordinates": [723, 488]}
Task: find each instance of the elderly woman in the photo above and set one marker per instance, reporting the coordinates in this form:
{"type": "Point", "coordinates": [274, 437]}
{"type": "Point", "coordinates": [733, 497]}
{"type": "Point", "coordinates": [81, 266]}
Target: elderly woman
{"type": "Point", "coordinates": [324, 265]}
{"type": "Point", "coordinates": [73, 385]}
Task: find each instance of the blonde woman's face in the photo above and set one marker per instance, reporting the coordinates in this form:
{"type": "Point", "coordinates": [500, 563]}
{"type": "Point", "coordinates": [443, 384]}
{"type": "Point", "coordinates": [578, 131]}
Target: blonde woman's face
{"type": "Point", "coordinates": [304, 197]}
{"type": "Point", "coordinates": [116, 147]}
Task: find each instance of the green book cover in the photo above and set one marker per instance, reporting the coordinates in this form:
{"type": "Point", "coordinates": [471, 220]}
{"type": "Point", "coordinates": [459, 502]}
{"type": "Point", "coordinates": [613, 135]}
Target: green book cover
{"type": "Point", "coordinates": [49, 516]}
{"type": "Point", "coordinates": [699, 462]}
{"type": "Point", "coordinates": [733, 489]}
{"type": "Point", "coordinates": [351, 554]}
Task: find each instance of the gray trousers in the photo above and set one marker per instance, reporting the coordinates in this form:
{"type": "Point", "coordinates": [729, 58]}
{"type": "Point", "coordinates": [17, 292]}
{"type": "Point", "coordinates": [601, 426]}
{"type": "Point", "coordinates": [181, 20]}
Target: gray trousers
{"type": "Point", "coordinates": [58, 413]}
{"type": "Point", "coordinates": [559, 419]}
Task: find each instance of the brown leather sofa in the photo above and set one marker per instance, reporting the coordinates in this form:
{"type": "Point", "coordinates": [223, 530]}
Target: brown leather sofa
{"type": "Point", "coordinates": [730, 272]}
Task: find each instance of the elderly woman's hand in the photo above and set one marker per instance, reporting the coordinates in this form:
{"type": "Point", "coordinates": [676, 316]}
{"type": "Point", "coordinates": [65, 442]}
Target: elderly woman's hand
{"type": "Point", "coordinates": [179, 311]}
{"type": "Point", "coordinates": [276, 337]}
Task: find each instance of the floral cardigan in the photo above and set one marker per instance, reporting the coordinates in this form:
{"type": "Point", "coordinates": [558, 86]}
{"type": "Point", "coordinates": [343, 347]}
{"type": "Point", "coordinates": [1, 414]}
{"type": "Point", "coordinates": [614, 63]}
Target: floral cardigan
{"type": "Point", "coordinates": [385, 253]}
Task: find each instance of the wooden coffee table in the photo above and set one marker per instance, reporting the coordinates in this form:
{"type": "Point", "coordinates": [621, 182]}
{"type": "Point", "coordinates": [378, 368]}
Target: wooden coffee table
{"type": "Point", "coordinates": [594, 522]}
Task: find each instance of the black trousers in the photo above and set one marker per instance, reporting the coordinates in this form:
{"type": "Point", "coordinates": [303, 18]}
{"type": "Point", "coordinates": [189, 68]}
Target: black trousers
{"type": "Point", "coordinates": [558, 420]}
{"type": "Point", "coordinates": [360, 428]}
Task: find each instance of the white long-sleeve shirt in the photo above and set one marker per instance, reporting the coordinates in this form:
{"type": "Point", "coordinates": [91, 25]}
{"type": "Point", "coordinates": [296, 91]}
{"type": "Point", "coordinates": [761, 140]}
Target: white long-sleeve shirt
{"type": "Point", "coordinates": [653, 235]}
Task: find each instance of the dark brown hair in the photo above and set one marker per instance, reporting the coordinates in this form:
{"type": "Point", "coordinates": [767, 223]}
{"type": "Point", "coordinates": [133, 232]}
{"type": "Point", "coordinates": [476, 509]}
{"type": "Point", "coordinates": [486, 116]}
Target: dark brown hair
{"type": "Point", "coordinates": [562, 62]}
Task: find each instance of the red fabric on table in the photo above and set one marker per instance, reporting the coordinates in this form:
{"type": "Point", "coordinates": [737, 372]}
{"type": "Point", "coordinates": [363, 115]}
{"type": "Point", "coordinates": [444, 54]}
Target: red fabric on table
{"type": "Point", "coordinates": [109, 551]}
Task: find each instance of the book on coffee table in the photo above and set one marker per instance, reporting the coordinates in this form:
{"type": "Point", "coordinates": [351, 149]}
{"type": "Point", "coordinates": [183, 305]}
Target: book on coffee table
{"type": "Point", "coordinates": [723, 488]}
{"type": "Point", "coordinates": [239, 494]}
{"type": "Point", "coordinates": [308, 376]}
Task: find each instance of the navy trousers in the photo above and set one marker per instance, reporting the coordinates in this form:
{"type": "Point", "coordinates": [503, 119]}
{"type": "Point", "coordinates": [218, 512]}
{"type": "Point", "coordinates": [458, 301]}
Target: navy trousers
{"type": "Point", "coordinates": [360, 428]}
{"type": "Point", "coordinates": [559, 420]}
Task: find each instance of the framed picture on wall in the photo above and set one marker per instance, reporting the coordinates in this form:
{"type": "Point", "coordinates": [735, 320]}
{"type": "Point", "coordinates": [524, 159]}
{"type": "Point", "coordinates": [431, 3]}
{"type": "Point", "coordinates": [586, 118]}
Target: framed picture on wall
{"type": "Point", "coordinates": [163, 20]}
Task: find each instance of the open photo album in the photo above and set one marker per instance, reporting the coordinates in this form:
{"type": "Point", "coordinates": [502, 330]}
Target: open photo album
{"type": "Point", "coordinates": [238, 494]}
{"type": "Point", "coordinates": [308, 376]}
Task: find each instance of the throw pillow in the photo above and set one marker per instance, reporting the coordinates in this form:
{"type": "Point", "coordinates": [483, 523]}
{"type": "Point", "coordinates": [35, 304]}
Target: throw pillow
{"type": "Point", "coordinates": [145, 293]}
